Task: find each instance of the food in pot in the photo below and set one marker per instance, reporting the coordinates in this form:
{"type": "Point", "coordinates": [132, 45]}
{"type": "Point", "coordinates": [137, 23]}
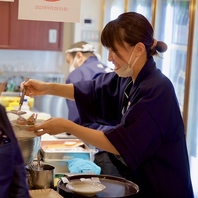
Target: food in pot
{"type": "Point", "coordinates": [30, 121]}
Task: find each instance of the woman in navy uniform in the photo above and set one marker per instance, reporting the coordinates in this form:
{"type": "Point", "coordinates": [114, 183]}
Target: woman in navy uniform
{"type": "Point", "coordinates": [148, 143]}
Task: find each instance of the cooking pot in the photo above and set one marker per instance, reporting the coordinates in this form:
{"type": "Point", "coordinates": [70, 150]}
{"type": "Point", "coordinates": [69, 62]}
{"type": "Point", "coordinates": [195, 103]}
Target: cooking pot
{"type": "Point", "coordinates": [29, 147]}
{"type": "Point", "coordinates": [29, 143]}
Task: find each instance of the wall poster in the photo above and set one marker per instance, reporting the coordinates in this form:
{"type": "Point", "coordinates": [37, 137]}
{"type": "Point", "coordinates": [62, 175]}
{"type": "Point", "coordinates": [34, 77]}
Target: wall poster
{"type": "Point", "coordinates": [50, 10]}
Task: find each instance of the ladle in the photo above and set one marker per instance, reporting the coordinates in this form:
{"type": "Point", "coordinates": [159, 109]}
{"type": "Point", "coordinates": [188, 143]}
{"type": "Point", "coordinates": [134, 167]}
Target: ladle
{"type": "Point", "coordinates": [19, 112]}
{"type": "Point", "coordinates": [38, 166]}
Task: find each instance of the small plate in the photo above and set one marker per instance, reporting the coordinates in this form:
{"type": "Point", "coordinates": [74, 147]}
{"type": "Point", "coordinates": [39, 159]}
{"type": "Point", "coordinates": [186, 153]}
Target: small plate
{"type": "Point", "coordinates": [86, 188]}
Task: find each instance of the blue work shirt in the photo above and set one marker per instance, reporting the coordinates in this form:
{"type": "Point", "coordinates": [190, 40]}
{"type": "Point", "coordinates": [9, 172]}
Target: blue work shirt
{"type": "Point", "coordinates": [90, 69]}
{"type": "Point", "coordinates": [150, 136]}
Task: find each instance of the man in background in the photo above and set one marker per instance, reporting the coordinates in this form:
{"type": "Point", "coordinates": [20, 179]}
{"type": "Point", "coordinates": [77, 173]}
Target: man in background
{"type": "Point", "coordinates": [85, 65]}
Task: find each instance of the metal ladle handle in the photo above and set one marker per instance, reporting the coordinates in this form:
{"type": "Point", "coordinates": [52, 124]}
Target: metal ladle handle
{"type": "Point", "coordinates": [22, 95]}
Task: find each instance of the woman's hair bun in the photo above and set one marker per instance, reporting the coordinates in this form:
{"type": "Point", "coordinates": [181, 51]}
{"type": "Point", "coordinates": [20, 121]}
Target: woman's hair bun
{"type": "Point", "coordinates": [161, 46]}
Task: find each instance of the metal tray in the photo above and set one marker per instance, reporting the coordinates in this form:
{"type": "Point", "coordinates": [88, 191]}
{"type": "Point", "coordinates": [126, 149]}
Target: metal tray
{"type": "Point", "coordinates": [116, 187]}
{"type": "Point", "coordinates": [65, 149]}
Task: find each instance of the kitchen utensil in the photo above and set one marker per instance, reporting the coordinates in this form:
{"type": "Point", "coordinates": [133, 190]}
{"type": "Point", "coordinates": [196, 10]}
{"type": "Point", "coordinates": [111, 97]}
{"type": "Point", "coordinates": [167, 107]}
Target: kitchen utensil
{"type": "Point", "coordinates": [29, 147]}
{"type": "Point", "coordinates": [39, 165]}
{"type": "Point", "coordinates": [19, 112]}
{"type": "Point", "coordinates": [35, 167]}
{"type": "Point", "coordinates": [115, 186]}
{"type": "Point", "coordinates": [65, 149]}
{"type": "Point", "coordinates": [32, 166]}
{"type": "Point", "coordinates": [41, 179]}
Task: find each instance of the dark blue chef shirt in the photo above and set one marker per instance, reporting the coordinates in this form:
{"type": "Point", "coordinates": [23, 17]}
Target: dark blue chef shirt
{"type": "Point", "coordinates": [150, 136]}
{"type": "Point", "coordinates": [90, 69]}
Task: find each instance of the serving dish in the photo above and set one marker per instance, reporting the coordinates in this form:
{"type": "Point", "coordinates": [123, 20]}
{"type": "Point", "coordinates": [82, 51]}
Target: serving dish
{"type": "Point", "coordinates": [116, 187]}
{"type": "Point", "coordinates": [65, 150]}
{"type": "Point", "coordinates": [58, 152]}
{"type": "Point", "coordinates": [85, 188]}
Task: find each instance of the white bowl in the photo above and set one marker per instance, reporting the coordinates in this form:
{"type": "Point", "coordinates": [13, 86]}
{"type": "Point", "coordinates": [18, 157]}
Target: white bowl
{"type": "Point", "coordinates": [86, 188]}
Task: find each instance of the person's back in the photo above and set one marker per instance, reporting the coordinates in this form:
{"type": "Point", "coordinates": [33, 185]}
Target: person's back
{"type": "Point", "coordinates": [12, 169]}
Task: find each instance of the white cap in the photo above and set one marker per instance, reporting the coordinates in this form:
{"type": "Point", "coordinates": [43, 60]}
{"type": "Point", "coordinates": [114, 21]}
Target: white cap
{"type": "Point", "coordinates": [85, 48]}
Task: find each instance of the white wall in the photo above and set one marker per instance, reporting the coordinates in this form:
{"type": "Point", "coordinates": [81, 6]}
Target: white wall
{"type": "Point", "coordinates": [90, 10]}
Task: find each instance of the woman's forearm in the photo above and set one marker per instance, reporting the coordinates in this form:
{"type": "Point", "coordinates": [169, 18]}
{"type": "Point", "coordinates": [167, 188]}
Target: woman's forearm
{"type": "Point", "coordinates": [93, 137]}
{"type": "Point", "coordinates": [62, 90]}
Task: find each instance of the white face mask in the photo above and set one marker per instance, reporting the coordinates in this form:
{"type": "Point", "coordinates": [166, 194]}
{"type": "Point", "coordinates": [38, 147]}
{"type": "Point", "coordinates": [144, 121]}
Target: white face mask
{"type": "Point", "coordinates": [127, 70]}
{"type": "Point", "coordinates": [74, 65]}
{"type": "Point", "coordinates": [71, 68]}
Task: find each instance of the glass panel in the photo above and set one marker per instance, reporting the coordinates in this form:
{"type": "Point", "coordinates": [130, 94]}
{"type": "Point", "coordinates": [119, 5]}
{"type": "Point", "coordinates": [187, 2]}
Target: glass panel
{"type": "Point", "coordinates": [141, 6]}
{"type": "Point", "coordinates": [113, 8]}
{"type": "Point", "coordinates": [192, 127]}
{"type": "Point", "coordinates": [193, 105]}
{"type": "Point", "coordinates": [172, 27]}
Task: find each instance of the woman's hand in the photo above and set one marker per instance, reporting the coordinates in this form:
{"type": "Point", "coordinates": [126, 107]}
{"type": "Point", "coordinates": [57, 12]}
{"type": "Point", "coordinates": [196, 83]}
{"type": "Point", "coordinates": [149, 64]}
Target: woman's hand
{"type": "Point", "coordinates": [51, 126]}
{"type": "Point", "coordinates": [35, 87]}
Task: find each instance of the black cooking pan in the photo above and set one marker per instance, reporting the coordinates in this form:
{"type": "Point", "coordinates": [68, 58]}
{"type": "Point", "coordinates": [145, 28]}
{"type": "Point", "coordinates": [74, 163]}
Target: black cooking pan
{"type": "Point", "coordinates": [116, 187]}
